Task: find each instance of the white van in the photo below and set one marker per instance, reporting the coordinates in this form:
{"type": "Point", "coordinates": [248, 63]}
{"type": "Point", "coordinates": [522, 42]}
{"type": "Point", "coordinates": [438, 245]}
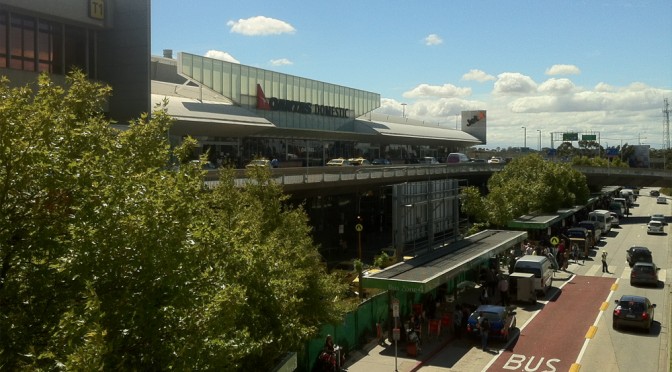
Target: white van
{"type": "Point", "coordinates": [603, 217]}
{"type": "Point", "coordinates": [540, 266]}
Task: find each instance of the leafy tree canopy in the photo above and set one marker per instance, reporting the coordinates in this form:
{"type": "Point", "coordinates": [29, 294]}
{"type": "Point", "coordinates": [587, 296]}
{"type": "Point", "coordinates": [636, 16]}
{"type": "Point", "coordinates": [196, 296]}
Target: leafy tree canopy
{"type": "Point", "coordinates": [527, 184]}
{"type": "Point", "coordinates": [113, 260]}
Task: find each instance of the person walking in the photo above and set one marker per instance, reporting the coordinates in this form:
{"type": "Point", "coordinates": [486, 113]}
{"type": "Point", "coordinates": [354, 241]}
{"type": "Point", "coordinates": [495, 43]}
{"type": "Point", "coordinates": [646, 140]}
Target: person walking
{"type": "Point", "coordinates": [484, 327]}
{"type": "Point", "coordinates": [503, 287]}
{"type": "Point", "coordinates": [457, 322]}
{"type": "Point", "coordinates": [605, 267]}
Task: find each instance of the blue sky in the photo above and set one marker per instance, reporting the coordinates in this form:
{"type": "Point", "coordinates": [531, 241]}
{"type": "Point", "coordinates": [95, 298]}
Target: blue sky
{"type": "Point", "coordinates": [550, 66]}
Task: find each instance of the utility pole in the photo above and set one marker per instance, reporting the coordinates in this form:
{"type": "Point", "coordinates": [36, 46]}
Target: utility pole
{"type": "Point", "coordinates": [666, 124]}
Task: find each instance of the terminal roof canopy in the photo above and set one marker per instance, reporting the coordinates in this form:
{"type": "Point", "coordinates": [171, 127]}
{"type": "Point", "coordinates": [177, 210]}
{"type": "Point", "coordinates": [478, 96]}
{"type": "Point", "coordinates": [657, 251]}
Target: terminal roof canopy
{"type": "Point", "coordinates": [423, 273]}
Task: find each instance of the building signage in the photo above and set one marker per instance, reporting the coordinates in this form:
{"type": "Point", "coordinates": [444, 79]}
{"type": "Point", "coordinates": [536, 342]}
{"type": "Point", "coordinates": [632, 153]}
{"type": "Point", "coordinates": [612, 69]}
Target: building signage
{"type": "Point", "coordinates": [97, 9]}
{"type": "Point", "coordinates": [277, 104]}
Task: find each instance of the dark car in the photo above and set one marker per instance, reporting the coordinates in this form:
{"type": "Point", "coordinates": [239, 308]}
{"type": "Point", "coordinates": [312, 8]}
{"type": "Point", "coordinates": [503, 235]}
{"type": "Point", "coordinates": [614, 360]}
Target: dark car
{"type": "Point", "coordinates": [654, 193]}
{"type": "Point", "coordinates": [638, 254]}
{"type": "Point", "coordinates": [501, 321]}
{"type": "Point", "coordinates": [644, 273]}
{"type": "Point", "coordinates": [633, 311]}
{"type": "Point", "coordinates": [380, 162]}
{"type": "Point", "coordinates": [581, 233]}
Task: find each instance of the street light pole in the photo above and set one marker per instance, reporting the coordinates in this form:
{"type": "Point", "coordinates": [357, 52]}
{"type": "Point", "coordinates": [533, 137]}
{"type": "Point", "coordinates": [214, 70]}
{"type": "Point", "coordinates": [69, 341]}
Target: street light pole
{"type": "Point", "coordinates": [539, 130]}
{"type": "Point", "coordinates": [524, 137]}
{"type": "Point", "coordinates": [403, 110]}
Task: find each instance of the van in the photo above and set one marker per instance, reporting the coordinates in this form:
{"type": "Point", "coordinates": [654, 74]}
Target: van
{"type": "Point", "coordinates": [593, 226]}
{"type": "Point", "coordinates": [617, 207]}
{"type": "Point", "coordinates": [603, 217]}
{"type": "Point", "coordinates": [629, 196]}
{"type": "Point", "coordinates": [624, 203]}
{"type": "Point", "coordinates": [540, 266]}
{"type": "Point", "coordinates": [457, 157]}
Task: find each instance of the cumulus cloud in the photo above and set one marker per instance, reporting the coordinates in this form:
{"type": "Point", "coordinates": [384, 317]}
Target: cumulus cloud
{"type": "Point", "coordinates": [514, 83]}
{"type": "Point", "coordinates": [224, 56]}
{"type": "Point", "coordinates": [260, 26]}
{"type": "Point", "coordinates": [556, 86]}
{"type": "Point", "coordinates": [433, 39]}
{"type": "Point", "coordinates": [281, 62]}
{"type": "Point", "coordinates": [477, 75]}
{"type": "Point", "coordinates": [442, 91]}
{"type": "Point", "coordinates": [563, 70]}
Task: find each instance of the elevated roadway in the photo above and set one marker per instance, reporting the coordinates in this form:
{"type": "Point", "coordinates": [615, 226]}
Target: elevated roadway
{"type": "Point", "coordinates": [333, 180]}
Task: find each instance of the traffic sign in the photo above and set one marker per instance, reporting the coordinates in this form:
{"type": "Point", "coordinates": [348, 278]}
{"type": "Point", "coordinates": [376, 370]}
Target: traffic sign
{"type": "Point", "coordinates": [359, 227]}
{"type": "Point", "coordinates": [555, 240]}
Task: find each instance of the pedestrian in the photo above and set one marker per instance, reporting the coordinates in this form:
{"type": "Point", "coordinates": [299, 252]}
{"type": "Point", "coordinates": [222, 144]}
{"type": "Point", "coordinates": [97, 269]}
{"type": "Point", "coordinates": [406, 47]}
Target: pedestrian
{"type": "Point", "coordinates": [605, 267]}
{"type": "Point", "coordinates": [457, 322]}
{"type": "Point", "coordinates": [503, 287]}
{"type": "Point", "coordinates": [484, 295]}
{"type": "Point", "coordinates": [484, 327]}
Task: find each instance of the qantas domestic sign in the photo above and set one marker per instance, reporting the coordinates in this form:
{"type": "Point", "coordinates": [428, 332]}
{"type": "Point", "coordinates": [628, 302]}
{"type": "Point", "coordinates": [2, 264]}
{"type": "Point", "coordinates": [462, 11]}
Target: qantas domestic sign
{"type": "Point", "coordinates": [276, 104]}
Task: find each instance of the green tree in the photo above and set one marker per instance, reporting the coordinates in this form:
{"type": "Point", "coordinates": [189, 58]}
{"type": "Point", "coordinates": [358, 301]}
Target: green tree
{"type": "Point", "coordinates": [113, 260]}
{"type": "Point", "coordinates": [529, 184]}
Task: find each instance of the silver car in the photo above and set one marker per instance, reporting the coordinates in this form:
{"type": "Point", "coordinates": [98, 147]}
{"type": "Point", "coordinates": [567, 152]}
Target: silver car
{"type": "Point", "coordinates": [644, 273]}
{"type": "Point", "coordinates": [655, 227]}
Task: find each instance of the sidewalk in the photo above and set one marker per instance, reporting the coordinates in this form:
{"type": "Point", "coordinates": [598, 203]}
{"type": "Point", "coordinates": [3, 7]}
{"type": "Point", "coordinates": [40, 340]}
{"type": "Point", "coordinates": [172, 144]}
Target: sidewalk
{"type": "Point", "coordinates": [444, 352]}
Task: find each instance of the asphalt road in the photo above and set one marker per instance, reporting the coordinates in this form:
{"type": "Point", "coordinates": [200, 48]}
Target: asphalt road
{"type": "Point", "coordinates": [571, 330]}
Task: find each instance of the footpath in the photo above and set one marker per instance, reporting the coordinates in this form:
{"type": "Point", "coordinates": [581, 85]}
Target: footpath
{"type": "Point", "coordinates": [445, 352]}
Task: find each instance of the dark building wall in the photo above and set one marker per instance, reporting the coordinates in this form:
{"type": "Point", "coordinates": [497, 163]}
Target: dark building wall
{"type": "Point", "coordinates": [124, 59]}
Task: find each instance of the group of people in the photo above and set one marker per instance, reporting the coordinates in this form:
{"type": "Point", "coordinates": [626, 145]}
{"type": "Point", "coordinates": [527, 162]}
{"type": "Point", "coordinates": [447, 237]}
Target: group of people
{"type": "Point", "coordinates": [331, 358]}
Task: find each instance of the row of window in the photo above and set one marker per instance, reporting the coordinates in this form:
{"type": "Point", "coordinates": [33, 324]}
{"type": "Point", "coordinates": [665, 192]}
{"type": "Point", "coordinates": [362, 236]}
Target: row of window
{"type": "Point", "coordinates": [33, 44]}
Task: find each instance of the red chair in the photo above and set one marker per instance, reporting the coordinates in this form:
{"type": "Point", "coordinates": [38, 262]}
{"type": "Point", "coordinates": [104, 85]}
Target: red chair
{"type": "Point", "coordinates": [447, 321]}
{"type": "Point", "coordinates": [434, 327]}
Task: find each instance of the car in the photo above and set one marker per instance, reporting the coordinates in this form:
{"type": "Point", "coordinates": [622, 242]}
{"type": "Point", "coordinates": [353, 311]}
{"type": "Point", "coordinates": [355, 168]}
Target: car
{"type": "Point", "coordinates": [614, 219]}
{"type": "Point", "coordinates": [429, 160]}
{"type": "Point", "coordinates": [644, 273]}
{"type": "Point", "coordinates": [264, 163]}
{"type": "Point", "coordinates": [339, 162]}
{"type": "Point", "coordinates": [500, 318]}
{"type": "Point", "coordinates": [481, 161]}
{"type": "Point", "coordinates": [380, 162]}
{"type": "Point", "coordinates": [457, 157]}
{"type": "Point", "coordinates": [655, 227]}
{"type": "Point", "coordinates": [359, 161]}
{"type": "Point", "coordinates": [636, 254]}
{"type": "Point", "coordinates": [633, 311]}
{"type": "Point", "coordinates": [661, 200]}
{"type": "Point", "coordinates": [659, 217]}
{"type": "Point", "coordinates": [654, 193]}
{"type": "Point", "coordinates": [495, 160]}
{"type": "Point", "coordinates": [581, 233]}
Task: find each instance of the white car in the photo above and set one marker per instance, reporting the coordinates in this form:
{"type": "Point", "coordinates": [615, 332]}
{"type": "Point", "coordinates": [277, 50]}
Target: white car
{"type": "Point", "coordinates": [495, 160]}
{"type": "Point", "coordinates": [655, 227]}
{"type": "Point", "coordinates": [659, 217]}
{"type": "Point", "coordinates": [661, 200]}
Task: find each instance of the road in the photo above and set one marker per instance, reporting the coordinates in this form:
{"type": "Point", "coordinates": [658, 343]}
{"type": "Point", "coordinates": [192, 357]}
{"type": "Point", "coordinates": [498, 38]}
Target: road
{"type": "Point", "coordinates": [572, 330]}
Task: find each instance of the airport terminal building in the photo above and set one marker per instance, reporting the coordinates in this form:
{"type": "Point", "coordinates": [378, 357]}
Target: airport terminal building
{"type": "Point", "coordinates": [236, 112]}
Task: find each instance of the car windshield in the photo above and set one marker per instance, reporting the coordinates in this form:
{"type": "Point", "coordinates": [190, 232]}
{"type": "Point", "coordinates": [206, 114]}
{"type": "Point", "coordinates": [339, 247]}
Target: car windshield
{"type": "Point", "coordinates": [644, 269]}
{"type": "Point", "coordinates": [632, 305]}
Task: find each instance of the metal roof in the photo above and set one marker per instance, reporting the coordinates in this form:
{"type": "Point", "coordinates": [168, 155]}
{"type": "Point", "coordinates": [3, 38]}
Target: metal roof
{"type": "Point", "coordinates": [423, 273]}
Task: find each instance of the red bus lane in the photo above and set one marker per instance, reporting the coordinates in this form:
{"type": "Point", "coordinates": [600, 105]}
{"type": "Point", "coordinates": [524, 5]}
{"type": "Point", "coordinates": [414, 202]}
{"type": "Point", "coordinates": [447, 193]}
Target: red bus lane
{"type": "Point", "coordinates": [553, 339]}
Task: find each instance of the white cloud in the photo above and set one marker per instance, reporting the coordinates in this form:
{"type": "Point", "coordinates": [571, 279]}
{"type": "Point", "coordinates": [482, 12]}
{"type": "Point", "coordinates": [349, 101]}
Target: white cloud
{"type": "Point", "coordinates": [281, 62]}
{"type": "Point", "coordinates": [556, 86]}
{"type": "Point", "coordinates": [563, 70]}
{"type": "Point", "coordinates": [477, 75]}
{"type": "Point", "coordinates": [514, 83]}
{"type": "Point", "coordinates": [441, 91]}
{"type": "Point", "coordinates": [224, 56]}
{"type": "Point", "coordinates": [260, 26]}
{"type": "Point", "coordinates": [433, 39]}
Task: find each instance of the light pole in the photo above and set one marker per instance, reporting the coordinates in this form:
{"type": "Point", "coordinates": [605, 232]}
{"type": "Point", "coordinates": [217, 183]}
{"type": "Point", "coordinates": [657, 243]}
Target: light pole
{"type": "Point", "coordinates": [403, 110]}
{"type": "Point", "coordinates": [524, 137]}
{"type": "Point", "coordinates": [539, 130]}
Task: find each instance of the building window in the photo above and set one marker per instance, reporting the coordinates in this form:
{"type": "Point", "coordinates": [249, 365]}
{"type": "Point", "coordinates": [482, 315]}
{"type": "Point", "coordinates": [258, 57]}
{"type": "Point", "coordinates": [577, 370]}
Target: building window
{"type": "Point", "coordinates": [22, 43]}
{"type": "Point", "coordinates": [3, 39]}
{"type": "Point", "coordinates": [33, 44]}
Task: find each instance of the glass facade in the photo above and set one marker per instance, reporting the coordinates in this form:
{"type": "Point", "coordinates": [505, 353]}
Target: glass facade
{"type": "Point", "coordinates": [239, 83]}
{"type": "Point", "coordinates": [30, 43]}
